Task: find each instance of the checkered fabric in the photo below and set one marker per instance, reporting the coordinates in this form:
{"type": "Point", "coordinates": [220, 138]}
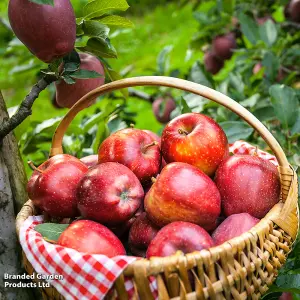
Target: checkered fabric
{"type": "Point", "coordinates": [85, 276]}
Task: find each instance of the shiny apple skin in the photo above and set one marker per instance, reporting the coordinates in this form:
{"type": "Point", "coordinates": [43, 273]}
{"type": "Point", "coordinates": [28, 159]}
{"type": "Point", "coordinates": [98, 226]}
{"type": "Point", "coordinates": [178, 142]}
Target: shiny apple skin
{"type": "Point", "coordinates": [248, 184]}
{"type": "Point", "coordinates": [205, 145]}
{"type": "Point", "coordinates": [54, 189]}
{"type": "Point", "coordinates": [184, 236]}
{"type": "Point", "coordinates": [158, 139]}
{"type": "Point", "coordinates": [141, 233]}
{"type": "Point", "coordinates": [182, 192]}
{"type": "Point", "coordinates": [109, 193]}
{"type": "Point", "coordinates": [92, 238]}
{"type": "Point", "coordinates": [90, 160]}
{"type": "Point", "coordinates": [233, 226]}
{"type": "Point", "coordinates": [126, 147]}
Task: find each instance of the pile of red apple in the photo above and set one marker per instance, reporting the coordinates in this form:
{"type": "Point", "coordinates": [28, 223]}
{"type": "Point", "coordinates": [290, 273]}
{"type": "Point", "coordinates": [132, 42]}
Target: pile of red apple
{"type": "Point", "coordinates": [155, 196]}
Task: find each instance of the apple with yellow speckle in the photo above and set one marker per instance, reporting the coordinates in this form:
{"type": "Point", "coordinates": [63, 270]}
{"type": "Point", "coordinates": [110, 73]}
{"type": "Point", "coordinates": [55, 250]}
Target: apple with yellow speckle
{"type": "Point", "coordinates": [195, 139]}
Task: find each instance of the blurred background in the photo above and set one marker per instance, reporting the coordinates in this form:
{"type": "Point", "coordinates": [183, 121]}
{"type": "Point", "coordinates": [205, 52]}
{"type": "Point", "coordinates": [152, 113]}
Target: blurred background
{"type": "Point", "coordinates": [248, 50]}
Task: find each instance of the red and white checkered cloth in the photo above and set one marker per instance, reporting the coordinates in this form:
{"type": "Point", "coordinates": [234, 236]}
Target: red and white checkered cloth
{"type": "Point", "coordinates": [85, 276]}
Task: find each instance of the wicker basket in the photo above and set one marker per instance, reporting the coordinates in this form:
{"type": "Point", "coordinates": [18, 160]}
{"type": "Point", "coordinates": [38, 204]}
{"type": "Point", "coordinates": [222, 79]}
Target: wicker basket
{"type": "Point", "coordinates": [241, 268]}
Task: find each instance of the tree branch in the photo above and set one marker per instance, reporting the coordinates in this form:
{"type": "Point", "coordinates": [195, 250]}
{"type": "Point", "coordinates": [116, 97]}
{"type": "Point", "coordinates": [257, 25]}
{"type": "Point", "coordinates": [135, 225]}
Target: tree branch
{"type": "Point", "coordinates": [140, 94]}
{"type": "Point", "coordinates": [25, 109]}
{"type": "Point", "coordinates": [290, 24]}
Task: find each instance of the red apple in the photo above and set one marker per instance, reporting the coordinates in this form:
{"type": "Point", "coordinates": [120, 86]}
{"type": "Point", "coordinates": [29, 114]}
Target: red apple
{"type": "Point", "coordinates": [183, 193]}
{"type": "Point", "coordinates": [52, 187]}
{"type": "Point", "coordinates": [109, 193]}
{"type": "Point", "coordinates": [293, 11]}
{"type": "Point", "coordinates": [195, 139]}
{"type": "Point", "coordinates": [223, 45]}
{"type": "Point", "coordinates": [158, 139]}
{"type": "Point", "coordinates": [233, 226]}
{"type": "Point", "coordinates": [141, 234]}
{"type": "Point", "coordinates": [49, 32]}
{"type": "Point", "coordinates": [183, 236]}
{"type": "Point", "coordinates": [90, 160]}
{"type": "Point", "coordinates": [90, 237]}
{"type": "Point", "coordinates": [162, 108]}
{"type": "Point", "coordinates": [122, 229]}
{"type": "Point", "coordinates": [135, 149]}
{"type": "Point", "coordinates": [212, 63]}
{"type": "Point", "coordinates": [248, 184]}
{"type": "Point", "coordinates": [286, 296]}
{"type": "Point", "coordinates": [68, 94]}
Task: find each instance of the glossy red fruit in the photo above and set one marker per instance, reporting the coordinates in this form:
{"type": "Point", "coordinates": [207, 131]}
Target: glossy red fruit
{"type": "Point", "coordinates": [195, 139]}
{"type": "Point", "coordinates": [109, 193]}
{"type": "Point", "coordinates": [135, 149]}
{"type": "Point", "coordinates": [90, 160]}
{"type": "Point", "coordinates": [183, 236]}
{"type": "Point", "coordinates": [142, 232]}
{"type": "Point", "coordinates": [68, 94]}
{"type": "Point", "coordinates": [233, 226]}
{"type": "Point", "coordinates": [212, 63]}
{"type": "Point", "coordinates": [224, 45]}
{"type": "Point", "coordinates": [162, 108]}
{"type": "Point", "coordinates": [90, 237]}
{"type": "Point", "coordinates": [293, 11]}
{"type": "Point", "coordinates": [183, 193]}
{"type": "Point", "coordinates": [53, 186]}
{"type": "Point", "coordinates": [49, 32]}
{"type": "Point", "coordinates": [122, 229]}
{"type": "Point", "coordinates": [158, 139]}
{"type": "Point", "coordinates": [248, 184]}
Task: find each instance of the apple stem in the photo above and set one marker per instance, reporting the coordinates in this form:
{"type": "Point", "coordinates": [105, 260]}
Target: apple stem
{"type": "Point", "coordinates": [182, 131]}
{"type": "Point", "coordinates": [154, 143]}
{"type": "Point", "coordinates": [256, 151]}
{"type": "Point", "coordinates": [34, 168]}
{"type": "Point", "coordinates": [153, 179]}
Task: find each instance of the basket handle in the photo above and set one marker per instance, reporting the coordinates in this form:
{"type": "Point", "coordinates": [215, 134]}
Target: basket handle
{"type": "Point", "coordinates": [181, 84]}
{"type": "Point", "coordinates": [288, 178]}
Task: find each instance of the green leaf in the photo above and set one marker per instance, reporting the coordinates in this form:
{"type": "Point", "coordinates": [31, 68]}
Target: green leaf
{"type": "Point", "coordinates": [163, 59]}
{"type": "Point", "coordinates": [285, 103]}
{"type": "Point", "coordinates": [85, 74]}
{"type": "Point", "coordinates": [100, 47]}
{"type": "Point", "coordinates": [296, 127]}
{"type": "Point", "coordinates": [71, 62]}
{"type": "Point", "coordinates": [199, 75]}
{"type": "Point", "coordinates": [289, 281]}
{"type": "Point", "coordinates": [95, 29]}
{"type": "Point", "coordinates": [98, 8]}
{"type": "Point", "coordinates": [68, 79]}
{"type": "Point", "coordinates": [116, 21]}
{"type": "Point", "coordinates": [47, 2]}
{"type": "Point", "coordinates": [271, 64]}
{"type": "Point", "coordinates": [249, 28]}
{"type": "Point", "coordinates": [184, 108]}
{"type": "Point", "coordinates": [268, 32]}
{"type": "Point", "coordinates": [51, 231]}
{"type": "Point", "coordinates": [236, 130]}
{"type": "Point", "coordinates": [251, 101]}
{"type": "Point", "coordinates": [101, 135]}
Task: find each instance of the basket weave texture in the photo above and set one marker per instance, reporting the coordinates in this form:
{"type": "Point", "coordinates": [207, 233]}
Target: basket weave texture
{"type": "Point", "coordinates": [241, 268]}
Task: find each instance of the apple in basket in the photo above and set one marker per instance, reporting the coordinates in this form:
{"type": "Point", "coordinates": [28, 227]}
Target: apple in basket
{"type": "Point", "coordinates": [135, 149]}
{"type": "Point", "coordinates": [90, 237]}
{"type": "Point", "coordinates": [233, 226]}
{"type": "Point", "coordinates": [248, 183]}
{"type": "Point", "coordinates": [109, 193]}
{"type": "Point", "coordinates": [184, 236]}
{"type": "Point", "coordinates": [52, 186]}
{"type": "Point", "coordinates": [195, 139]}
{"type": "Point", "coordinates": [141, 234]}
{"type": "Point", "coordinates": [158, 139]}
{"type": "Point", "coordinates": [90, 160]}
{"type": "Point", "coordinates": [182, 192]}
